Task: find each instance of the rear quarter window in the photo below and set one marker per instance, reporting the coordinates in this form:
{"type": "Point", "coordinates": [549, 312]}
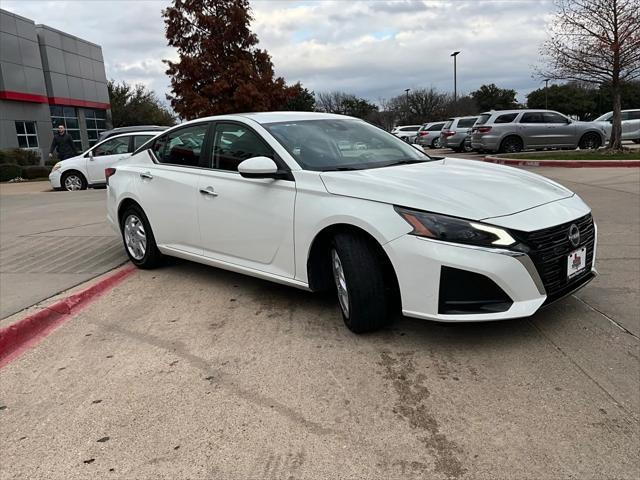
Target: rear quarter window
{"type": "Point", "coordinates": [436, 128]}
{"type": "Point", "coordinates": [466, 122]}
{"type": "Point", "coordinates": [482, 119]}
{"type": "Point", "coordinates": [448, 125]}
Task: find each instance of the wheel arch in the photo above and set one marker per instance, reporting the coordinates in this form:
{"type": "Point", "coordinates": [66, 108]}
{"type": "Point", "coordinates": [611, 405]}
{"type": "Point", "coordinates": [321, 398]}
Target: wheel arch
{"type": "Point", "coordinates": [318, 264]}
{"type": "Point", "coordinates": [71, 170]}
{"type": "Point", "coordinates": [124, 204]}
{"type": "Point", "coordinates": [595, 131]}
{"type": "Point", "coordinates": [509, 135]}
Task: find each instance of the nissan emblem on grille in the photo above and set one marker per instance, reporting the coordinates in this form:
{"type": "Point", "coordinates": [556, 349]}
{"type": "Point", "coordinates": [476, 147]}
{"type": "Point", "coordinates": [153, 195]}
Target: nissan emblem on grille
{"type": "Point", "coordinates": [574, 235]}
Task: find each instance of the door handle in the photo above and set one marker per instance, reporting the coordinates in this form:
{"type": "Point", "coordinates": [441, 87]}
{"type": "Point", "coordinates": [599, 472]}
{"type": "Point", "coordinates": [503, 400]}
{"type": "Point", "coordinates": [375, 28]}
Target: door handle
{"type": "Point", "coordinates": [146, 176]}
{"type": "Point", "coordinates": [208, 191]}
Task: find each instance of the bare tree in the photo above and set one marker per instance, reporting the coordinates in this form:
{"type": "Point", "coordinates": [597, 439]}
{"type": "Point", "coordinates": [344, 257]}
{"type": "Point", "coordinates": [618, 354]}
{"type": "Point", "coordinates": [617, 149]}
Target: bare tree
{"type": "Point", "coordinates": [596, 41]}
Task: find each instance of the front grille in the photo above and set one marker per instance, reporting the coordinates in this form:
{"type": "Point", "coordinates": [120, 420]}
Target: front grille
{"type": "Point", "coordinates": [550, 248]}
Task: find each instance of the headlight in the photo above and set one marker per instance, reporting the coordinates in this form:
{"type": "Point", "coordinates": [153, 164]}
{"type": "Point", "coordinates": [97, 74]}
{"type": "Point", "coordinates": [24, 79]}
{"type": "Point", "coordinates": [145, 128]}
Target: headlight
{"type": "Point", "coordinates": [456, 230]}
{"type": "Point", "coordinates": [56, 166]}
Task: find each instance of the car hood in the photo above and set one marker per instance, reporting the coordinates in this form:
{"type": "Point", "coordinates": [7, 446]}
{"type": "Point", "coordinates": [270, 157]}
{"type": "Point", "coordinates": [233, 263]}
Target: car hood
{"type": "Point", "coordinates": [462, 188]}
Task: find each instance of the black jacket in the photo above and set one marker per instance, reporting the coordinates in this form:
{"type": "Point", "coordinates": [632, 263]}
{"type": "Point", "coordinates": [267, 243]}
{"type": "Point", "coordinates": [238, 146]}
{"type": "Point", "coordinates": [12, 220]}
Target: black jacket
{"type": "Point", "coordinates": [64, 144]}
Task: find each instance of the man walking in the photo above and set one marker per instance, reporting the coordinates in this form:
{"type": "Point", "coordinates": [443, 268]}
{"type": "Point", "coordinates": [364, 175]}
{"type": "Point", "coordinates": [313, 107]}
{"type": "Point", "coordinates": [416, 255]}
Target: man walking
{"type": "Point", "coordinates": [63, 142]}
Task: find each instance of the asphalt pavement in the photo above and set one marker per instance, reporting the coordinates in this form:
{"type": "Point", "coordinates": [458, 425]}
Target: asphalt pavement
{"type": "Point", "coordinates": [193, 372]}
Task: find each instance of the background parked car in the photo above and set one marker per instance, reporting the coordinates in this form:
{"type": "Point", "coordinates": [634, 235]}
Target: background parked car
{"type": "Point", "coordinates": [87, 169]}
{"type": "Point", "coordinates": [455, 131]}
{"type": "Point", "coordinates": [136, 128]}
{"type": "Point", "coordinates": [406, 132]}
{"type": "Point", "coordinates": [515, 130]}
{"type": "Point", "coordinates": [630, 124]}
{"type": "Point", "coordinates": [429, 134]}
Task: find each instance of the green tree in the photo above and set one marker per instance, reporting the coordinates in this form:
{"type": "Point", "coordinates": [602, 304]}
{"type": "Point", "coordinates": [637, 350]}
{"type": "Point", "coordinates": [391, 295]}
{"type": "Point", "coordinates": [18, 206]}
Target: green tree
{"type": "Point", "coordinates": [136, 105]}
{"type": "Point", "coordinates": [219, 68]}
{"type": "Point", "coordinates": [570, 98]}
{"type": "Point", "coordinates": [300, 99]}
{"type": "Point", "coordinates": [491, 97]}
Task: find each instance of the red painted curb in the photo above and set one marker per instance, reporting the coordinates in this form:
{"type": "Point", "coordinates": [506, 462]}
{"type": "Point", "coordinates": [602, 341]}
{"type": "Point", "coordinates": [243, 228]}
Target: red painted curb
{"type": "Point", "coordinates": [19, 336]}
{"type": "Point", "coordinates": [564, 163]}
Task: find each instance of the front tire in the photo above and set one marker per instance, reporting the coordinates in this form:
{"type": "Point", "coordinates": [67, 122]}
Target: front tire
{"type": "Point", "coordinates": [360, 283]}
{"type": "Point", "coordinates": [590, 141]}
{"type": "Point", "coordinates": [138, 239]}
{"type": "Point", "coordinates": [73, 181]}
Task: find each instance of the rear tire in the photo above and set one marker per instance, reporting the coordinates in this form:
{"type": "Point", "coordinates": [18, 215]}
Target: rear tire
{"type": "Point", "coordinates": [435, 143]}
{"type": "Point", "coordinates": [590, 141]}
{"type": "Point", "coordinates": [511, 145]}
{"type": "Point", "coordinates": [360, 283]}
{"type": "Point", "coordinates": [139, 241]}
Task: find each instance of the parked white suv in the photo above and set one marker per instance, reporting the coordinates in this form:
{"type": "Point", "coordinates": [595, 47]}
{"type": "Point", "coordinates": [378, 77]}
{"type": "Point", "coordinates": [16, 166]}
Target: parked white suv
{"type": "Point", "coordinates": [630, 124]}
{"type": "Point", "coordinates": [87, 169]}
{"type": "Point", "coordinates": [272, 195]}
{"type": "Point", "coordinates": [406, 132]}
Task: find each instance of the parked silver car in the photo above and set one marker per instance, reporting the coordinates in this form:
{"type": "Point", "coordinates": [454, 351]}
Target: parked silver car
{"type": "Point", "coordinates": [429, 134]}
{"type": "Point", "coordinates": [630, 124]}
{"type": "Point", "coordinates": [406, 132]}
{"type": "Point", "coordinates": [515, 130]}
{"type": "Point", "coordinates": [455, 132]}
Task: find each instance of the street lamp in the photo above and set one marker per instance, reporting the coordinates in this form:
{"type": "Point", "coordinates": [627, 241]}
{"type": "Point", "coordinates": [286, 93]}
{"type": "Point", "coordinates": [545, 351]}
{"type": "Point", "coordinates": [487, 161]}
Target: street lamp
{"type": "Point", "coordinates": [546, 93]}
{"type": "Point", "coordinates": [455, 81]}
{"type": "Point", "coordinates": [406, 91]}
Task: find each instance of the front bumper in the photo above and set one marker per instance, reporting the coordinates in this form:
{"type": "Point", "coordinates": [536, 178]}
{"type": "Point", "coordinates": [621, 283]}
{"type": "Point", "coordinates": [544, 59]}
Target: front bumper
{"type": "Point", "coordinates": [421, 264]}
{"type": "Point", "coordinates": [54, 179]}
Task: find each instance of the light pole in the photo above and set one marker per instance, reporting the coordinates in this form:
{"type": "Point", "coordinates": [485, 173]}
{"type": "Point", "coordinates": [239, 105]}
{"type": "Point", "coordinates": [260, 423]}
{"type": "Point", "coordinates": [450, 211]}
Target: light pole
{"type": "Point", "coordinates": [406, 91]}
{"type": "Point", "coordinates": [455, 81]}
{"type": "Point", "coordinates": [546, 93]}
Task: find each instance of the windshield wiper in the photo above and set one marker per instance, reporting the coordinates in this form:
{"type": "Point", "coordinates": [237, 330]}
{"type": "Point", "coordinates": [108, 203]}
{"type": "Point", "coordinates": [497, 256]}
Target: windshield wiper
{"type": "Point", "coordinates": [405, 162]}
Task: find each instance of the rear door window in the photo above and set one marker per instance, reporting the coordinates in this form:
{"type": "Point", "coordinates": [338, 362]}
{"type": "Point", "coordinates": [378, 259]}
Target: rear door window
{"type": "Point", "coordinates": [550, 117]}
{"type": "Point", "coordinates": [506, 118]}
{"type": "Point", "coordinates": [532, 117]}
{"type": "Point", "coordinates": [182, 146]}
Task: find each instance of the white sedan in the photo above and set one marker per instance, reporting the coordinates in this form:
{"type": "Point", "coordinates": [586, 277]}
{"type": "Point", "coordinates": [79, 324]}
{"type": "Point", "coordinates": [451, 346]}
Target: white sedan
{"type": "Point", "coordinates": [87, 169]}
{"type": "Point", "coordinates": [321, 201]}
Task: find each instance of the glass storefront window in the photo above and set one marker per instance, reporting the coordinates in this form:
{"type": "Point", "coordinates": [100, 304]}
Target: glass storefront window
{"type": "Point", "coordinates": [27, 133]}
{"type": "Point", "coordinates": [95, 124]}
{"type": "Point", "coordinates": [67, 116]}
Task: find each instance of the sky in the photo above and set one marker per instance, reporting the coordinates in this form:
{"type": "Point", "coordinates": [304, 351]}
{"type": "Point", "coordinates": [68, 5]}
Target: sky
{"type": "Point", "coordinates": [372, 48]}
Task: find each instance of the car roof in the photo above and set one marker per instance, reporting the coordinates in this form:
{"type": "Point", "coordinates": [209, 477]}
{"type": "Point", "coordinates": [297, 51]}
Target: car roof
{"type": "Point", "coordinates": [518, 110]}
{"type": "Point", "coordinates": [153, 133]}
{"type": "Point", "coordinates": [460, 118]}
{"type": "Point", "coordinates": [274, 117]}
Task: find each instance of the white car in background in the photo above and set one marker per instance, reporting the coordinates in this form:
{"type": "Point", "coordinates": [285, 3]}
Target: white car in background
{"type": "Point", "coordinates": [630, 124]}
{"type": "Point", "coordinates": [87, 169]}
{"type": "Point", "coordinates": [408, 133]}
{"type": "Point", "coordinates": [321, 201]}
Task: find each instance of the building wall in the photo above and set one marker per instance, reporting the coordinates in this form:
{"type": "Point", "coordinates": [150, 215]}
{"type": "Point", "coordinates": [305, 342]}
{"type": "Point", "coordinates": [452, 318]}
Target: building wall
{"type": "Point", "coordinates": [44, 72]}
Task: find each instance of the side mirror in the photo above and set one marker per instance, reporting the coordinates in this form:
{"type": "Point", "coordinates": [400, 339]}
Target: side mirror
{"type": "Point", "coordinates": [90, 154]}
{"type": "Point", "coordinates": [259, 167]}
{"type": "Point", "coordinates": [418, 147]}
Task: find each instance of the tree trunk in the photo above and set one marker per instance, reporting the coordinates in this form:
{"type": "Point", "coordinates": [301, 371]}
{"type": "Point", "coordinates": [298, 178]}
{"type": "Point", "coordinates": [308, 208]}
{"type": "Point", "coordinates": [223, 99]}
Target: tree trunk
{"type": "Point", "coordinates": [615, 142]}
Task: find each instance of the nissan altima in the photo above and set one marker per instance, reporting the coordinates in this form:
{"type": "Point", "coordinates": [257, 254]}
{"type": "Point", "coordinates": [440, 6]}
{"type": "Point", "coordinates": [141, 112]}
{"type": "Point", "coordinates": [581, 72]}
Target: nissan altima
{"type": "Point", "coordinates": [328, 202]}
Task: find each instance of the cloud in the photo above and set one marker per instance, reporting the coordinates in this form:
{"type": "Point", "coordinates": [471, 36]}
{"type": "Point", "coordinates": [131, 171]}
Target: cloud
{"type": "Point", "coordinates": [374, 49]}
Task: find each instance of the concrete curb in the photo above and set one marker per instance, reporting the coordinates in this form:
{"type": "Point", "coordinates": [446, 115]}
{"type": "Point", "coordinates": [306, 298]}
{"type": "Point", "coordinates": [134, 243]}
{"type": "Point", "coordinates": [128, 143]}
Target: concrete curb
{"type": "Point", "coordinates": [564, 163]}
{"type": "Point", "coordinates": [26, 332]}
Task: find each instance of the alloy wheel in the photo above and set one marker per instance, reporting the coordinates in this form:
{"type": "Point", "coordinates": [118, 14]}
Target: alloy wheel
{"type": "Point", "coordinates": [341, 282]}
{"type": "Point", "coordinates": [135, 237]}
{"type": "Point", "coordinates": [73, 183]}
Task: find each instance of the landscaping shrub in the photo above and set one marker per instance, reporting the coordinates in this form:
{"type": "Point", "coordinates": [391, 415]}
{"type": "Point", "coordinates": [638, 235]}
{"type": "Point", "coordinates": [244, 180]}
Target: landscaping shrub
{"type": "Point", "coordinates": [35, 171]}
{"type": "Point", "coordinates": [18, 156]}
{"type": "Point", "coordinates": [9, 171]}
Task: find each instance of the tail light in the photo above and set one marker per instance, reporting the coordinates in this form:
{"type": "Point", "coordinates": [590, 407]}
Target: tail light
{"type": "Point", "coordinates": [448, 133]}
{"type": "Point", "coordinates": [483, 129]}
{"type": "Point", "coordinates": [108, 172]}
{"type": "Point", "coordinates": [423, 134]}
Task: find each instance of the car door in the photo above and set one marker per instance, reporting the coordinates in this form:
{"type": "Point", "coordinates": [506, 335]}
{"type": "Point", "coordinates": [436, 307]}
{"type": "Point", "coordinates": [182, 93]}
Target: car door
{"type": "Point", "coordinates": [104, 155]}
{"type": "Point", "coordinates": [533, 129]}
{"type": "Point", "coordinates": [245, 222]}
{"type": "Point", "coordinates": [561, 132]}
{"type": "Point", "coordinates": [168, 186]}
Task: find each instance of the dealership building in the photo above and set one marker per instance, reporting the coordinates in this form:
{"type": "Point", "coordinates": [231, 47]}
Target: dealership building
{"type": "Point", "coordinates": [49, 78]}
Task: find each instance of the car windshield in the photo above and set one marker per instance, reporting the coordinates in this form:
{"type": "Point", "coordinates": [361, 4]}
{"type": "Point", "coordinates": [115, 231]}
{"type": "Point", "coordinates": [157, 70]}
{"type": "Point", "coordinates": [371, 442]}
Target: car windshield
{"type": "Point", "coordinates": [349, 144]}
